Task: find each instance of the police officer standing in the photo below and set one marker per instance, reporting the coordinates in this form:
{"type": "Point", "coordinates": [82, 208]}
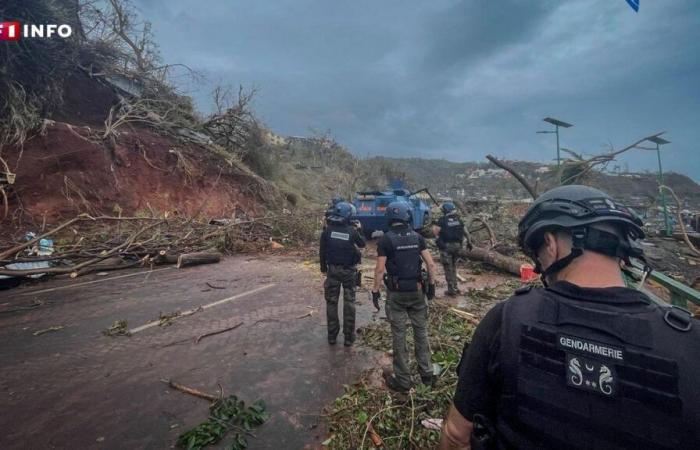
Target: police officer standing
{"type": "Point", "coordinates": [450, 233]}
{"type": "Point", "coordinates": [339, 259]}
{"type": "Point", "coordinates": [584, 362]}
{"type": "Point", "coordinates": [399, 264]}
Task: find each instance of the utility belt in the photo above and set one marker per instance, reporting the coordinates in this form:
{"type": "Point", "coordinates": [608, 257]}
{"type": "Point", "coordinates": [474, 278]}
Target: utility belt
{"type": "Point", "coordinates": [344, 266]}
{"type": "Point", "coordinates": [358, 272]}
{"type": "Point", "coordinates": [442, 243]}
{"type": "Point", "coordinates": [396, 284]}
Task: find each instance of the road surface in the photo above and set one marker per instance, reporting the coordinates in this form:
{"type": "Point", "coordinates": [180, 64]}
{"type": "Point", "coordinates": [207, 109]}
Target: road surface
{"type": "Point", "coordinates": [75, 388]}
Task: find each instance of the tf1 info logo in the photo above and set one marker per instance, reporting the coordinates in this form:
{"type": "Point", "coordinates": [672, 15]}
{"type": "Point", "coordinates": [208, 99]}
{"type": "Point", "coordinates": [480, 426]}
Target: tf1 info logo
{"type": "Point", "coordinates": [13, 31]}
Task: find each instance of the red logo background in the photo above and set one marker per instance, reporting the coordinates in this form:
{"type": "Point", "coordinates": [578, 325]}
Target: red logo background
{"type": "Point", "coordinates": [10, 31]}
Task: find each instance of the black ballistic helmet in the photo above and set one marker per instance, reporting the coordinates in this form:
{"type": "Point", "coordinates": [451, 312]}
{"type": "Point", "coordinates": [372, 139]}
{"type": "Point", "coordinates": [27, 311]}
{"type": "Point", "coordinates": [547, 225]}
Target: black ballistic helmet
{"type": "Point", "coordinates": [574, 208]}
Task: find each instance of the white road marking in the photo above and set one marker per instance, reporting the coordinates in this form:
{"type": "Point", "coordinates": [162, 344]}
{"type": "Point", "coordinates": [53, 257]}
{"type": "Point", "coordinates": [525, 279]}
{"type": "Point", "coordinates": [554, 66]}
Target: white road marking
{"type": "Point", "coordinates": [207, 306]}
{"type": "Point", "coordinates": [147, 272]}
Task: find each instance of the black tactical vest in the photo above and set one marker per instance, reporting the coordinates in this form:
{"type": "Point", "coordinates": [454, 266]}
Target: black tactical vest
{"type": "Point", "coordinates": [404, 266]}
{"type": "Point", "coordinates": [451, 228]}
{"type": "Point", "coordinates": [586, 375]}
{"type": "Point", "coordinates": [340, 248]}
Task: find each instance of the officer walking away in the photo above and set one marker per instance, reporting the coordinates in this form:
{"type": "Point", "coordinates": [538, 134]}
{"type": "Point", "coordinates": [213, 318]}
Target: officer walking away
{"type": "Point", "coordinates": [450, 233]}
{"type": "Point", "coordinates": [584, 362]}
{"type": "Point", "coordinates": [340, 256]}
{"type": "Point", "coordinates": [401, 252]}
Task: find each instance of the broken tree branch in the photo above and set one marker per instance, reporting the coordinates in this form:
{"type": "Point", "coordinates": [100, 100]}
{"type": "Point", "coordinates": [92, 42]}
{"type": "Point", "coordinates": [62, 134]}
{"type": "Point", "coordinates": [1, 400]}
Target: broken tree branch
{"type": "Point", "coordinates": [508, 168]}
{"type": "Point", "coordinates": [217, 332]}
{"type": "Point", "coordinates": [191, 391]}
{"type": "Point", "coordinates": [679, 217]}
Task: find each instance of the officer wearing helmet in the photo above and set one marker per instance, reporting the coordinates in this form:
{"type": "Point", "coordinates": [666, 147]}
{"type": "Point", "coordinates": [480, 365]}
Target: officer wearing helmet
{"type": "Point", "coordinates": [339, 257]}
{"type": "Point", "coordinates": [450, 233]}
{"type": "Point", "coordinates": [584, 362]}
{"type": "Point", "coordinates": [331, 208]}
{"type": "Point", "coordinates": [401, 252]}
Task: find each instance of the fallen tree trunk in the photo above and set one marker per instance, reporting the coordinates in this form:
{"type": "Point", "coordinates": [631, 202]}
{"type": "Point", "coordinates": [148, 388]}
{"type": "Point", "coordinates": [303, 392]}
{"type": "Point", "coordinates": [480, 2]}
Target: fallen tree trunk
{"type": "Point", "coordinates": [191, 259]}
{"type": "Point", "coordinates": [164, 258]}
{"type": "Point", "coordinates": [495, 259]}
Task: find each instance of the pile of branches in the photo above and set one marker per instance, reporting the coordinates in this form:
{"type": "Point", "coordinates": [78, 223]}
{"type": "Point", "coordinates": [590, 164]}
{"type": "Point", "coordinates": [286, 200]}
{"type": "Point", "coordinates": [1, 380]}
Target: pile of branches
{"type": "Point", "coordinates": [86, 244]}
{"type": "Point", "coordinates": [231, 125]}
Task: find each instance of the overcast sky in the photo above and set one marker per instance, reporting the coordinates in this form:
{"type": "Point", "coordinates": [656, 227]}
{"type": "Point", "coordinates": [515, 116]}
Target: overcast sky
{"type": "Point", "coordinates": [452, 79]}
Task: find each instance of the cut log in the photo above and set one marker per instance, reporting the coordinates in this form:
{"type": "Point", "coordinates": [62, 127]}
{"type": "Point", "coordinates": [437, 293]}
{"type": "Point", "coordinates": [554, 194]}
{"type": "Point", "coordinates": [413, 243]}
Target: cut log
{"type": "Point", "coordinates": [164, 258]}
{"type": "Point", "coordinates": [492, 258]}
{"type": "Point", "coordinates": [191, 259]}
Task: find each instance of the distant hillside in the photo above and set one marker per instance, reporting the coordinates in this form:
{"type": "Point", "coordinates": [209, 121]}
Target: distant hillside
{"type": "Point", "coordinates": [484, 180]}
{"type": "Point", "coordinates": [314, 169]}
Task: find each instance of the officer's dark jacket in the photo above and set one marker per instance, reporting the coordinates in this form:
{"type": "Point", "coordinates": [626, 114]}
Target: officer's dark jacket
{"type": "Point", "coordinates": [338, 243]}
{"type": "Point", "coordinates": [451, 228]}
{"type": "Point", "coordinates": [595, 368]}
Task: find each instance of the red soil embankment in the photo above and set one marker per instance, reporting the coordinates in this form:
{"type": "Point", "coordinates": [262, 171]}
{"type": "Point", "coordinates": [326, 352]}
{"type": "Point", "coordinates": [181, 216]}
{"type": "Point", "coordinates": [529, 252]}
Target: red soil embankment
{"type": "Point", "coordinates": [61, 173]}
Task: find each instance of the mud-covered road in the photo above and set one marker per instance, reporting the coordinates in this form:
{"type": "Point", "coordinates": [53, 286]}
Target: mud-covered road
{"type": "Point", "coordinates": [77, 389]}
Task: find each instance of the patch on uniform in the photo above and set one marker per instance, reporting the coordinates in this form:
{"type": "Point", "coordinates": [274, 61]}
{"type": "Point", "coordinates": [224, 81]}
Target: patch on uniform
{"type": "Point", "coordinates": [341, 236]}
{"type": "Point", "coordinates": [591, 375]}
{"type": "Point", "coordinates": [407, 247]}
{"type": "Point", "coordinates": [590, 348]}
{"type": "Point", "coordinates": [452, 222]}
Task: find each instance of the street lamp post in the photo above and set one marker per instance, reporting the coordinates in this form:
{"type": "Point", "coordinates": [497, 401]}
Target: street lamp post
{"type": "Point", "coordinates": [661, 141]}
{"type": "Point", "coordinates": [557, 123]}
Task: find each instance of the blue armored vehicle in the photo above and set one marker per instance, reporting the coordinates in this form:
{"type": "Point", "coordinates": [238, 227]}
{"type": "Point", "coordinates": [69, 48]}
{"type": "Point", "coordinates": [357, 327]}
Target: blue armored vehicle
{"type": "Point", "coordinates": [371, 208]}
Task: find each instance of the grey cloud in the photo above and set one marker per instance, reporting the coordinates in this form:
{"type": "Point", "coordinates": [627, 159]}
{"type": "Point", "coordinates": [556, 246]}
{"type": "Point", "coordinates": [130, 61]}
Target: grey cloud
{"type": "Point", "coordinates": [451, 78]}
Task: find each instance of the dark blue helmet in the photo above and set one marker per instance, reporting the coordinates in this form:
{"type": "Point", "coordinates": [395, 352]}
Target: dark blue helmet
{"type": "Point", "coordinates": [398, 212]}
{"type": "Point", "coordinates": [344, 210]}
{"type": "Point", "coordinates": [335, 200]}
{"type": "Point", "coordinates": [448, 207]}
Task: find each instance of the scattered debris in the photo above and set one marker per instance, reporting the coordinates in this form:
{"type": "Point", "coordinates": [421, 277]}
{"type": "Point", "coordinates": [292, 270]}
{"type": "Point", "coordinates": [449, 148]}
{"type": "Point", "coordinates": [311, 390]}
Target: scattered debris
{"type": "Point", "coordinates": [192, 259]}
{"type": "Point", "coordinates": [165, 320]}
{"type": "Point", "coordinates": [48, 330]}
{"type": "Point", "coordinates": [374, 436]}
{"type": "Point", "coordinates": [226, 414]}
{"type": "Point", "coordinates": [394, 416]}
{"type": "Point", "coordinates": [118, 328]}
{"type": "Point", "coordinates": [85, 242]}
{"type": "Point", "coordinates": [215, 287]}
{"type": "Point", "coordinates": [199, 338]}
{"type": "Point", "coordinates": [432, 424]}
{"type": "Point", "coordinates": [191, 391]}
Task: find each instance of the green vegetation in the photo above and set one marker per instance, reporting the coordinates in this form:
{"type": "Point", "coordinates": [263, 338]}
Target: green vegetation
{"type": "Point", "coordinates": [396, 418]}
{"type": "Point", "coordinates": [226, 415]}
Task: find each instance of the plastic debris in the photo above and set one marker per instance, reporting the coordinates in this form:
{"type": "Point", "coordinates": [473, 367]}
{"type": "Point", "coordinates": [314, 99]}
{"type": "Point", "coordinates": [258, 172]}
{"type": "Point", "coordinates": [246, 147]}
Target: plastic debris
{"type": "Point", "coordinates": [432, 424]}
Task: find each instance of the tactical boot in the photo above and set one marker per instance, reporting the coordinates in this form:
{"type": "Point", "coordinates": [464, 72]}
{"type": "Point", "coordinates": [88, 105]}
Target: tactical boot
{"type": "Point", "coordinates": [332, 340]}
{"type": "Point", "coordinates": [393, 384]}
{"type": "Point", "coordinates": [428, 380]}
{"type": "Point", "coordinates": [349, 340]}
{"type": "Point", "coordinates": [450, 293]}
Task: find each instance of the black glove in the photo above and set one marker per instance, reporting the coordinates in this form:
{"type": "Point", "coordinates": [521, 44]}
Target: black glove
{"type": "Point", "coordinates": [431, 291]}
{"type": "Point", "coordinates": [375, 299]}
{"type": "Point", "coordinates": [470, 247]}
{"type": "Point", "coordinates": [323, 269]}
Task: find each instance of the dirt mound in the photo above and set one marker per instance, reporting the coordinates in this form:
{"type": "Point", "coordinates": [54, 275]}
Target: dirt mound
{"type": "Point", "coordinates": [61, 173]}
